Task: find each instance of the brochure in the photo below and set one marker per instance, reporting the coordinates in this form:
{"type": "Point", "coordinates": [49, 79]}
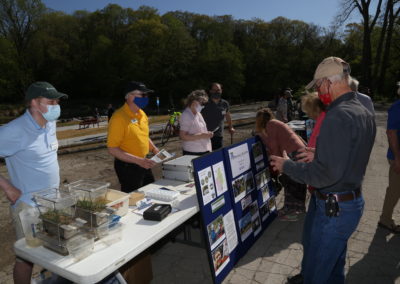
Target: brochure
{"type": "Point", "coordinates": [162, 156]}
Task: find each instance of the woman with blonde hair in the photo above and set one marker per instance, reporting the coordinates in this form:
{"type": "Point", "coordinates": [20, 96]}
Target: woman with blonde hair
{"type": "Point", "coordinates": [279, 137]}
{"type": "Point", "coordinates": [315, 109]}
{"type": "Point", "coordinates": [193, 129]}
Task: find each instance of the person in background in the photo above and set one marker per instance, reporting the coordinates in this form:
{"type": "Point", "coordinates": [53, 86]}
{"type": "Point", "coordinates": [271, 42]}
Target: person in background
{"type": "Point", "coordinates": [365, 100]}
{"type": "Point", "coordinates": [343, 148]}
{"type": "Point", "coordinates": [278, 137]}
{"type": "Point", "coordinates": [282, 107]}
{"type": "Point", "coordinates": [128, 139]}
{"type": "Point", "coordinates": [290, 104]}
{"type": "Point", "coordinates": [214, 113]}
{"type": "Point", "coordinates": [393, 155]}
{"type": "Point", "coordinates": [96, 113]}
{"type": "Point", "coordinates": [110, 111]}
{"type": "Point", "coordinates": [29, 145]}
{"type": "Point", "coordinates": [193, 129]}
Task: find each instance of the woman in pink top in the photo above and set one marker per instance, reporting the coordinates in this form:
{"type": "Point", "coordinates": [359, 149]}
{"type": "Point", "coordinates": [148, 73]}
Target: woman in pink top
{"type": "Point", "coordinates": [315, 109]}
{"type": "Point", "coordinates": [193, 130]}
{"type": "Point", "coordinates": [279, 137]}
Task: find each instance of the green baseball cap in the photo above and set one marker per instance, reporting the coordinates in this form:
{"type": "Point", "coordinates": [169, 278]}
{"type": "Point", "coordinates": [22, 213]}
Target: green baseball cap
{"type": "Point", "coordinates": [43, 89]}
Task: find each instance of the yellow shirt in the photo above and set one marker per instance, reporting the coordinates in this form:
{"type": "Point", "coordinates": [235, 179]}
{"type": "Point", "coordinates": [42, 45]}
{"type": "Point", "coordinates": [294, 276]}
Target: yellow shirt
{"type": "Point", "coordinates": [129, 131]}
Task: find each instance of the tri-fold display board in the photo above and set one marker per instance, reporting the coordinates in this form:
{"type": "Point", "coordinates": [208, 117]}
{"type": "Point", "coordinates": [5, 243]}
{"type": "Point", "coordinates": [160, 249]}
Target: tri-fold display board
{"type": "Point", "coordinates": [236, 200]}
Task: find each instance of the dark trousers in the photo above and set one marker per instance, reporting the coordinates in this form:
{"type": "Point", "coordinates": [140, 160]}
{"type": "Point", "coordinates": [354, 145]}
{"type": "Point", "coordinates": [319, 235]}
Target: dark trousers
{"type": "Point", "coordinates": [325, 240]}
{"type": "Point", "coordinates": [295, 193]}
{"type": "Point", "coordinates": [194, 153]}
{"type": "Point", "coordinates": [132, 176]}
{"type": "Point", "coordinates": [216, 142]}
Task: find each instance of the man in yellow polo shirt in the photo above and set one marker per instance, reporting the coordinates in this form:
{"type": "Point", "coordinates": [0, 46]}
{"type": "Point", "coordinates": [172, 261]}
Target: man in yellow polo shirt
{"type": "Point", "coordinates": [128, 139]}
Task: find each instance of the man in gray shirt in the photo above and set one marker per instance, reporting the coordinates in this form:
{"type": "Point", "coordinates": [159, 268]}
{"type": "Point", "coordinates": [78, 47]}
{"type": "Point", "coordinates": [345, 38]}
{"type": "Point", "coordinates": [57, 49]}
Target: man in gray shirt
{"type": "Point", "coordinates": [365, 100]}
{"type": "Point", "coordinates": [341, 157]}
{"type": "Point", "coordinates": [214, 113]}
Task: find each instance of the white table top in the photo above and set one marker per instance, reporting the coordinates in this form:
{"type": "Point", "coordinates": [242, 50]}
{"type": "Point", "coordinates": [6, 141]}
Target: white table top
{"type": "Point", "coordinates": [297, 125]}
{"type": "Point", "coordinates": [137, 235]}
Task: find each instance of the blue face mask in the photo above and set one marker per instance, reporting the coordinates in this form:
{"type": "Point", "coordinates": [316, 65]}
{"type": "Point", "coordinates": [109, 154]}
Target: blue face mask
{"type": "Point", "coordinates": [141, 102]}
{"type": "Point", "coordinates": [53, 112]}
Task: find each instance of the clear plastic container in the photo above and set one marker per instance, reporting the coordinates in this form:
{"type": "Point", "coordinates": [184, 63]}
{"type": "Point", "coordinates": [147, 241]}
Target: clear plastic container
{"type": "Point", "coordinates": [89, 189]}
{"type": "Point", "coordinates": [114, 234]}
{"type": "Point", "coordinates": [54, 198]}
{"type": "Point", "coordinates": [80, 247]}
{"type": "Point", "coordinates": [118, 201]}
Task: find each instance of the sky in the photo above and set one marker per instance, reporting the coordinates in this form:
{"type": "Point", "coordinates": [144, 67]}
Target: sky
{"type": "Point", "coordinates": [319, 12]}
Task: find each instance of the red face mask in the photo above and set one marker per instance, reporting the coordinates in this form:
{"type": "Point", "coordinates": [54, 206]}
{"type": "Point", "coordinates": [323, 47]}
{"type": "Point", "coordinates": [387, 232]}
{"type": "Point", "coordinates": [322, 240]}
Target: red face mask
{"type": "Point", "coordinates": [325, 98]}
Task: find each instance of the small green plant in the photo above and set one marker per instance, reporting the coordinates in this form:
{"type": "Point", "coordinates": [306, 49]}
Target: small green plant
{"type": "Point", "coordinates": [57, 216]}
{"type": "Point", "coordinates": [95, 206]}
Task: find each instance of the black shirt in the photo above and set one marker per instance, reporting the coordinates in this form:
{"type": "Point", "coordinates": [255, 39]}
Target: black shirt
{"type": "Point", "coordinates": [214, 115]}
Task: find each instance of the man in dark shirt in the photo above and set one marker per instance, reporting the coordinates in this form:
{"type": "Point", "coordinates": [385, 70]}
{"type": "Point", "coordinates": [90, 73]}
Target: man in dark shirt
{"type": "Point", "coordinates": [341, 157]}
{"type": "Point", "coordinates": [214, 113]}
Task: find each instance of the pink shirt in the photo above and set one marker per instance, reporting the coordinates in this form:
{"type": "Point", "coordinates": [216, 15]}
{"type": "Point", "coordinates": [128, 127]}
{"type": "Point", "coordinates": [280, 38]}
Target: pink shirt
{"type": "Point", "coordinates": [193, 124]}
{"type": "Point", "coordinates": [313, 138]}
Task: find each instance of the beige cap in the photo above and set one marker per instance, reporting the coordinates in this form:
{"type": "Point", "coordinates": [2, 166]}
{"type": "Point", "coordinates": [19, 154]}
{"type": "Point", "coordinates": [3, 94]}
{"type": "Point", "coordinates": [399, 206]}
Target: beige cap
{"type": "Point", "coordinates": [330, 66]}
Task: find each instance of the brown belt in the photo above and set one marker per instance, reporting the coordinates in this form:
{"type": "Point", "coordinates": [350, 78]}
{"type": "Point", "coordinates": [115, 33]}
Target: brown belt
{"type": "Point", "coordinates": [340, 197]}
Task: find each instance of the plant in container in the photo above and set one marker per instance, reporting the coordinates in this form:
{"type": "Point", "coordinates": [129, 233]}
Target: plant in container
{"type": "Point", "coordinates": [92, 211]}
{"type": "Point", "coordinates": [59, 223]}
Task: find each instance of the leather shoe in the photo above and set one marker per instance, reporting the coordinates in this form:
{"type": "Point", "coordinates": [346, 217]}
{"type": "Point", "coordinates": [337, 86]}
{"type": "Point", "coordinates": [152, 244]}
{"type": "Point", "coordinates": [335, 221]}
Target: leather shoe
{"type": "Point", "coordinates": [297, 279]}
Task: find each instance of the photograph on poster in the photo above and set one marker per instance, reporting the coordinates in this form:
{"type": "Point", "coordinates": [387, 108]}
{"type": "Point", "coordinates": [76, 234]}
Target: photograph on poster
{"type": "Point", "coordinates": [272, 204]}
{"type": "Point", "coordinates": [246, 202]}
{"type": "Point", "coordinates": [265, 192]}
{"type": "Point", "coordinates": [217, 204]}
{"type": "Point", "coordinates": [220, 257]}
{"type": "Point", "coordinates": [249, 182]}
{"type": "Point", "coordinates": [207, 185]}
{"type": "Point", "coordinates": [260, 165]}
{"type": "Point", "coordinates": [239, 158]}
{"type": "Point", "coordinates": [257, 151]}
{"type": "Point", "coordinates": [261, 179]}
{"type": "Point", "coordinates": [239, 188]}
{"type": "Point", "coordinates": [219, 176]}
{"type": "Point", "coordinates": [254, 208]}
{"type": "Point", "coordinates": [255, 218]}
{"type": "Point", "coordinates": [256, 225]}
{"type": "Point", "coordinates": [245, 226]}
{"type": "Point", "coordinates": [216, 231]}
{"type": "Point", "coordinates": [264, 211]}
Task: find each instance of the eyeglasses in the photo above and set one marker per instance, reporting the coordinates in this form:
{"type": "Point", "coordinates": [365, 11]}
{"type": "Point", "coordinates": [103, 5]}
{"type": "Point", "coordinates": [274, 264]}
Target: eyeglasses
{"type": "Point", "coordinates": [318, 85]}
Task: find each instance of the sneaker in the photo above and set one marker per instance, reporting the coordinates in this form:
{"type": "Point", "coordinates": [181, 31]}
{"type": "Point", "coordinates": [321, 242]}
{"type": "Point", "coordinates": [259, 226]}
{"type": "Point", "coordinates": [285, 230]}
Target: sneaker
{"type": "Point", "coordinates": [297, 279]}
{"type": "Point", "coordinates": [290, 216]}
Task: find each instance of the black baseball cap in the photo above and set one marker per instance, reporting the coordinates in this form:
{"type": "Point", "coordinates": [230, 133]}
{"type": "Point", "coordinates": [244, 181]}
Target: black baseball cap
{"type": "Point", "coordinates": [43, 89]}
{"type": "Point", "coordinates": [133, 86]}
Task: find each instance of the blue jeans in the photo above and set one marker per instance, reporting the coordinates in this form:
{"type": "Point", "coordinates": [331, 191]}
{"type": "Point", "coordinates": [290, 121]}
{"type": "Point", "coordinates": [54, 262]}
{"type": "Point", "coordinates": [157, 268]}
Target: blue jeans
{"type": "Point", "coordinates": [325, 240]}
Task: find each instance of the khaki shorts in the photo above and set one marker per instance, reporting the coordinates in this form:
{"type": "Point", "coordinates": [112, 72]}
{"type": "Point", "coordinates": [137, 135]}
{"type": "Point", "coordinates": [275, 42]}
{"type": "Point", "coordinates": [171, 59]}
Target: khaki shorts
{"type": "Point", "coordinates": [14, 211]}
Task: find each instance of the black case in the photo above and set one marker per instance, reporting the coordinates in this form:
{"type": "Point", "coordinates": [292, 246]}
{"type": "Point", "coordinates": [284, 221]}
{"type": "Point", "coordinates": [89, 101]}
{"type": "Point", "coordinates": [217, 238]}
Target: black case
{"type": "Point", "coordinates": [157, 212]}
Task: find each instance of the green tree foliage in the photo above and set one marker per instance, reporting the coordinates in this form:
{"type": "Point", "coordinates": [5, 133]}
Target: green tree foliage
{"type": "Point", "coordinates": [91, 55]}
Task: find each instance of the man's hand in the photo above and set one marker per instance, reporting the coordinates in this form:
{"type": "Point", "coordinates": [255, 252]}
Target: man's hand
{"type": "Point", "coordinates": [305, 155]}
{"type": "Point", "coordinates": [155, 151]}
{"type": "Point", "coordinates": [277, 162]}
{"type": "Point", "coordinates": [231, 130]}
{"type": "Point", "coordinates": [12, 193]}
{"type": "Point", "coordinates": [146, 163]}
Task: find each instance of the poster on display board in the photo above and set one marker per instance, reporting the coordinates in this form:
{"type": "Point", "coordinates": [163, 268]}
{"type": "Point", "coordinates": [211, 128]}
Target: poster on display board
{"type": "Point", "coordinates": [251, 189]}
{"type": "Point", "coordinates": [236, 201]}
{"type": "Point", "coordinates": [217, 216]}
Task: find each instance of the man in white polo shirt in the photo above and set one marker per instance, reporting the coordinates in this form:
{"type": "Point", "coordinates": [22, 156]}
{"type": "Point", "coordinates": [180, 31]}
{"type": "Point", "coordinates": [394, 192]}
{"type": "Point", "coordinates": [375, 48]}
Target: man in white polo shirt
{"type": "Point", "coordinates": [29, 146]}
